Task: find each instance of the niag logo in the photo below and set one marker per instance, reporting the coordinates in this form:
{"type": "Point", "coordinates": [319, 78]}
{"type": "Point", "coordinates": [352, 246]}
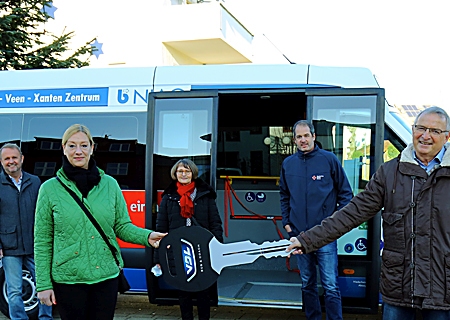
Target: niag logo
{"type": "Point", "coordinates": [124, 95]}
{"type": "Point", "coordinates": [317, 177]}
{"type": "Point", "coordinates": [187, 251]}
{"type": "Point", "coordinates": [137, 95]}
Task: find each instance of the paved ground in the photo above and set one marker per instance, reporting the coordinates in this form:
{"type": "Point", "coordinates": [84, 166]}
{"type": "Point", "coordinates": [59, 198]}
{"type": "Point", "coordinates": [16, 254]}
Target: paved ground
{"type": "Point", "coordinates": [137, 307]}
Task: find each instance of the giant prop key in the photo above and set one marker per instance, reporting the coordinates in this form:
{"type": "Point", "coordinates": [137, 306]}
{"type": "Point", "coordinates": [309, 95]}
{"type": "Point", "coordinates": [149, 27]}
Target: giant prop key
{"type": "Point", "coordinates": [192, 258]}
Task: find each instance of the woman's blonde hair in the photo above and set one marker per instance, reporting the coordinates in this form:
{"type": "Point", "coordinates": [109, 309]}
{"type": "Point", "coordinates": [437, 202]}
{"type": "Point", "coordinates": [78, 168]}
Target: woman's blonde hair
{"type": "Point", "coordinates": [188, 164]}
{"type": "Point", "coordinates": [74, 129]}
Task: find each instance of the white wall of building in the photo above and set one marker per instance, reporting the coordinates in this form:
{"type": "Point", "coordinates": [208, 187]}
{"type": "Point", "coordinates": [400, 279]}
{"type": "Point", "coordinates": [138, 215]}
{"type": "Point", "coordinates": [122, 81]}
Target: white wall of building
{"type": "Point", "coordinates": [131, 32]}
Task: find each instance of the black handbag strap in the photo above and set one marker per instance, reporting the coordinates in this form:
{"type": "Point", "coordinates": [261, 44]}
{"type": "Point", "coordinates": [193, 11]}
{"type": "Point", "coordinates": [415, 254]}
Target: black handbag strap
{"type": "Point", "coordinates": [92, 219]}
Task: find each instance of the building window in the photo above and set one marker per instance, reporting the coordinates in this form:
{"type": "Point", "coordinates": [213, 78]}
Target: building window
{"type": "Point", "coordinates": [119, 147]}
{"type": "Point", "coordinates": [117, 169]}
{"type": "Point", "coordinates": [50, 145]}
{"type": "Point", "coordinates": [44, 169]}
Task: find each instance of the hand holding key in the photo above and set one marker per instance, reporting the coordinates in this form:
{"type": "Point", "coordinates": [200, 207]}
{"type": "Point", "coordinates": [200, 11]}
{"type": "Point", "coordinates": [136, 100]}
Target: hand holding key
{"type": "Point", "coordinates": [192, 259]}
{"type": "Point", "coordinates": [295, 247]}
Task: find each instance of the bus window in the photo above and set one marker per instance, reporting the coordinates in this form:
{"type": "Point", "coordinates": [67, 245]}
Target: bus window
{"type": "Point", "coordinates": [10, 125]}
{"type": "Point", "coordinates": [390, 151]}
{"type": "Point", "coordinates": [356, 156]}
{"type": "Point", "coordinates": [119, 144]}
{"type": "Point", "coordinates": [392, 145]}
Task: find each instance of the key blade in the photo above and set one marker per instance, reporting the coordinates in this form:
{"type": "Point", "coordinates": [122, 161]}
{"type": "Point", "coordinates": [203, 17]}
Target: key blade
{"type": "Point", "coordinates": [271, 249]}
{"type": "Point", "coordinates": [230, 254]}
{"type": "Point", "coordinates": [244, 252]}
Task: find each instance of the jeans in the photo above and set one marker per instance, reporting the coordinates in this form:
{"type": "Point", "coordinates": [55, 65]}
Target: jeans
{"type": "Point", "coordinates": [404, 313]}
{"type": "Point", "coordinates": [326, 258]}
{"type": "Point", "coordinates": [12, 265]}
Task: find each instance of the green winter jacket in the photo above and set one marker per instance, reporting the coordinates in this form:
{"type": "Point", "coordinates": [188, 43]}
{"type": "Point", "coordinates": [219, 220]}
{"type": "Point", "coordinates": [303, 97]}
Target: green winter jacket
{"type": "Point", "coordinates": [67, 246]}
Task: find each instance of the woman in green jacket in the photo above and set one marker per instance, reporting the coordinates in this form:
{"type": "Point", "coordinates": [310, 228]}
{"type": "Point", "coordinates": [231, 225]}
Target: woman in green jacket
{"type": "Point", "coordinates": [74, 266]}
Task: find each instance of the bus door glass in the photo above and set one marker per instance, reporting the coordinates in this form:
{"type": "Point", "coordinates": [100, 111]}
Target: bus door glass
{"type": "Point", "coordinates": [350, 123]}
{"type": "Point", "coordinates": [182, 125]}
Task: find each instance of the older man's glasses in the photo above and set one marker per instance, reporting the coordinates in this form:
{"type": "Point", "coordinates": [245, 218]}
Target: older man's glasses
{"type": "Point", "coordinates": [433, 131]}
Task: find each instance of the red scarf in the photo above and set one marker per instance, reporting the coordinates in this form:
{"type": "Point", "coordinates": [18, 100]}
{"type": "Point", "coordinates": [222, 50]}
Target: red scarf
{"type": "Point", "coordinates": [186, 204]}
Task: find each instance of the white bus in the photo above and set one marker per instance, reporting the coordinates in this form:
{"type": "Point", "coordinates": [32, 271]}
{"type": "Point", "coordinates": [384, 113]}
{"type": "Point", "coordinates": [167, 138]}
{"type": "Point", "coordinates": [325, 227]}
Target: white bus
{"type": "Point", "coordinates": [235, 122]}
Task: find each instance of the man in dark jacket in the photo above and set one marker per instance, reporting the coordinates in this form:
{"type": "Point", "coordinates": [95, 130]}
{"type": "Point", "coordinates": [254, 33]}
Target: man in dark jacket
{"type": "Point", "coordinates": [313, 185]}
{"type": "Point", "coordinates": [18, 195]}
{"type": "Point", "coordinates": [414, 192]}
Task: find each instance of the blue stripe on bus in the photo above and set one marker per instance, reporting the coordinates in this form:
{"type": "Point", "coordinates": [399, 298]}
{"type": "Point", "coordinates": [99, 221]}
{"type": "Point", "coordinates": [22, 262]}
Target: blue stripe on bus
{"type": "Point", "coordinates": [136, 278]}
{"type": "Point", "coordinates": [66, 97]}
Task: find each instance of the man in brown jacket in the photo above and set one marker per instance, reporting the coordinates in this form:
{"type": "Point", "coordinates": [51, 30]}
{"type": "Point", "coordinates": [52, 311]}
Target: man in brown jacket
{"type": "Point", "coordinates": [414, 193]}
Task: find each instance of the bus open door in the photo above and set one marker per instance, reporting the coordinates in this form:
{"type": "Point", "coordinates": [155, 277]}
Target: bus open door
{"type": "Point", "coordinates": [250, 130]}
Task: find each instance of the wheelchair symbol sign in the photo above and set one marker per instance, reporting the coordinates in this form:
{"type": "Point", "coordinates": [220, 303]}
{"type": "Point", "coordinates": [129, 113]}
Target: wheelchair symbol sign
{"type": "Point", "coordinates": [250, 197]}
{"type": "Point", "coordinates": [361, 244]}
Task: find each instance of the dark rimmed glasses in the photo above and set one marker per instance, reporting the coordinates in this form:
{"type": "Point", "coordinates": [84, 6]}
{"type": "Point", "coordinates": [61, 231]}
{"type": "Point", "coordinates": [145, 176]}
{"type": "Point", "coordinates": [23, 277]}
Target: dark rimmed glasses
{"type": "Point", "coordinates": [433, 131]}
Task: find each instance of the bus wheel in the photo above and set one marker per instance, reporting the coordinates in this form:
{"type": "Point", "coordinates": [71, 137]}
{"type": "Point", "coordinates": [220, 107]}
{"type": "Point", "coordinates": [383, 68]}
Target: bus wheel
{"type": "Point", "coordinates": [29, 295]}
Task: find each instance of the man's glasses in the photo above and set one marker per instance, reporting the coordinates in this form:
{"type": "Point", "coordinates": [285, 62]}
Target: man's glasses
{"type": "Point", "coordinates": [433, 131]}
{"type": "Point", "coordinates": [186, 172]}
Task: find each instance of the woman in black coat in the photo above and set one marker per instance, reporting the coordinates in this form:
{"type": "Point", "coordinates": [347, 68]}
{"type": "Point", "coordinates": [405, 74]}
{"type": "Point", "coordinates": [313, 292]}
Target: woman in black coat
{"type": "Point", "coordinates": [189, 201]}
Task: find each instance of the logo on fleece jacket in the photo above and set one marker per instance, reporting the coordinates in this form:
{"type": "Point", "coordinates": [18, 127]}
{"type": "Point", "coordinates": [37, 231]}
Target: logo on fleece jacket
{"type": "Point", "coordinates": [317, 177]}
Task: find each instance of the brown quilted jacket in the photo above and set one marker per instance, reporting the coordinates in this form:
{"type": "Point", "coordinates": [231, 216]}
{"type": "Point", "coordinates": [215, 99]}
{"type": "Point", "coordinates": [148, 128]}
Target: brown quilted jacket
{"type": "Point", "coordinates": [415, 269]}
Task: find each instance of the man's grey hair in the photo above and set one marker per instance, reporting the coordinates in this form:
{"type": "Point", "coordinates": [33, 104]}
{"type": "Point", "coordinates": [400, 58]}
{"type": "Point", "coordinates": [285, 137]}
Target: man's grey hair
{"type": "Point", "coordinates": [10, 146]}
{"type": "Point", "coordinates": [439, 111]}
{"type": "Point", "coordinates": [305, 123]}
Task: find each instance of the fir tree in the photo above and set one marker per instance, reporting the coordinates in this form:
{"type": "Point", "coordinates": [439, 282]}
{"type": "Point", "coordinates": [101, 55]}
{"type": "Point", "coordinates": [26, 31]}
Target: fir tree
{"type": "Point", "coordinates": [25, 44]}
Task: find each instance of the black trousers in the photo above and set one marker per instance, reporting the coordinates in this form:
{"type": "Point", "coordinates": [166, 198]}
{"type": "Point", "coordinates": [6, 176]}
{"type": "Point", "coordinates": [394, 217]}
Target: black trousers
{"type": "Point", "coordinates": [86, 301]}
{"type": "Point", "coordinates": [186, 304]}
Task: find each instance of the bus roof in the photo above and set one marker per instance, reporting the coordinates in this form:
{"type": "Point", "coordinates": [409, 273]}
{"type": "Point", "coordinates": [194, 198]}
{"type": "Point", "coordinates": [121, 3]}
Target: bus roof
{"type": "Point", "coordinates": [219, 76]}
{"type": "Point", "coordinates": [126, 89]}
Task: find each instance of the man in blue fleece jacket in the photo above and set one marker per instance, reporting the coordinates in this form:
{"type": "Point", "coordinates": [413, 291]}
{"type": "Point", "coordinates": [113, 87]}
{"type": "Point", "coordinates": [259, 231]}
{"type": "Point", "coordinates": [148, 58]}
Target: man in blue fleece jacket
{"type": "Point", "coordinates": [313, 185]}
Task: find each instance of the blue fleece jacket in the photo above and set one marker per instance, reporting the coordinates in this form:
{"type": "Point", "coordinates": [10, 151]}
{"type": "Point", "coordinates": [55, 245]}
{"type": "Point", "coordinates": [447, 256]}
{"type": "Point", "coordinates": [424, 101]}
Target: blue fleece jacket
{"type": "Point", "coordinates": [312, 186]}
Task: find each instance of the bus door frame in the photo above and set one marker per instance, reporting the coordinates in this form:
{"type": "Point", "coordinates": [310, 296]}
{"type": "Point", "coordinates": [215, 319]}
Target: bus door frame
{"type": "Point", "coordinates": [149, 165]}
{"type": "Point", "coordinates": [372, 280]}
